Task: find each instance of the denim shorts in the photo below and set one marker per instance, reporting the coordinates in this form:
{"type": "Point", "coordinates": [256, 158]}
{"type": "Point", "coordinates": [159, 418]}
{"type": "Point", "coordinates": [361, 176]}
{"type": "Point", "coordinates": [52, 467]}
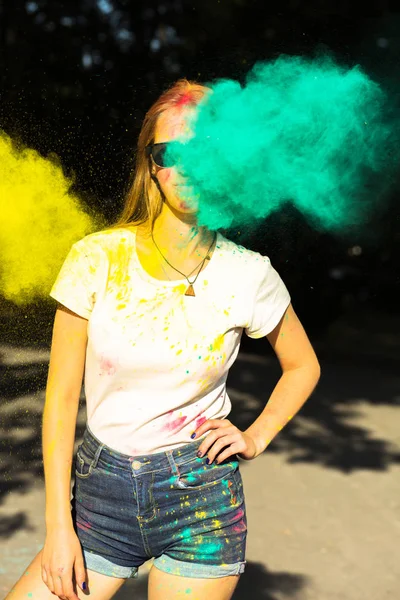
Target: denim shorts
{"type": "Point", "coordinates": [171, 506]}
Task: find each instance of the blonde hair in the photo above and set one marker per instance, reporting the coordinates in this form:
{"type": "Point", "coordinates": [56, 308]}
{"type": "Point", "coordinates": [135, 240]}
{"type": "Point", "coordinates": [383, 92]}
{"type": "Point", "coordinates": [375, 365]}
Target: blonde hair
{"type": "Point", "coordinates": [139, 208]}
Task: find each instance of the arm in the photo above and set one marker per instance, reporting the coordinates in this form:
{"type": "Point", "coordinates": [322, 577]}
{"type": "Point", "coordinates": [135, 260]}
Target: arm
{"type": "Point", "coordinates": [300, 375]}
{"type": "Point", "coordinates": [64, 383]}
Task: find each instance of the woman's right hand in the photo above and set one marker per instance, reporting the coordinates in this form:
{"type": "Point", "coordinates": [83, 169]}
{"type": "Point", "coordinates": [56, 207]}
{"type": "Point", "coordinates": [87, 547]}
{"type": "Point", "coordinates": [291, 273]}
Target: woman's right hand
{"type": "Point", "coordinates": [62, 554]}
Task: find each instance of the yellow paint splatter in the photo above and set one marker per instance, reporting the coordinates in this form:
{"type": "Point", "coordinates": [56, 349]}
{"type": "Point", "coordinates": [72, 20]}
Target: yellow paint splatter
{"type": "Point", "coordinates": [217, 523]}
{"type": "Point", "coordinates": [180, 289]}
{"type": "Point", "coordinates": [41, 219]}
{"type": "Point", "coordinates": [218, 343]}
{"type": "Point", "coordinates": [200, 514]}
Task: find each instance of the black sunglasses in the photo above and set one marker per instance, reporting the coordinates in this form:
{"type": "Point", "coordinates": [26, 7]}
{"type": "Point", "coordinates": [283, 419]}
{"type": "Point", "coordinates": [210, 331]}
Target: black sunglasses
{"type": "Point", "coordinates": [157, 153]}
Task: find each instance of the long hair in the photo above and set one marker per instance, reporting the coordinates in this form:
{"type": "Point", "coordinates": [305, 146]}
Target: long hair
{"type": "Point", "coordinates": [139, 206]}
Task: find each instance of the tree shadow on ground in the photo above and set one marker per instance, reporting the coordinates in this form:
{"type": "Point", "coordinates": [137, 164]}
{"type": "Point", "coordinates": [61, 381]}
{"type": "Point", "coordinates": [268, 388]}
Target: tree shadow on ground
{"type": "Point", "coordinates": [322, 432]}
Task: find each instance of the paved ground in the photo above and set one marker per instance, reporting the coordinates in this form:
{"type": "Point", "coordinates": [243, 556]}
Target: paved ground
{"type": "Point", "coordinates": [323, 501]}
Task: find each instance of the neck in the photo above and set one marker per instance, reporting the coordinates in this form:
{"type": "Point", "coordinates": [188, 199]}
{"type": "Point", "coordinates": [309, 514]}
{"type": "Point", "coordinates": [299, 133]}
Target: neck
{"type": "Point", "coordinates": [177, 237]}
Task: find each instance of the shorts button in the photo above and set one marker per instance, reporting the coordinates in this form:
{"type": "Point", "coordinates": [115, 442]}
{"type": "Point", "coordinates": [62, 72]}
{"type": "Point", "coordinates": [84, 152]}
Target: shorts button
{"type": "Point", "coordinates": [136, 465]}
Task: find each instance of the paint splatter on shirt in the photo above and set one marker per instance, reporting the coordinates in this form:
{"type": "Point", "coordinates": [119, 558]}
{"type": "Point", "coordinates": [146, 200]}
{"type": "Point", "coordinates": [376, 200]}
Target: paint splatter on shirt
{"type": "Point", "coordinates": [157, 361]}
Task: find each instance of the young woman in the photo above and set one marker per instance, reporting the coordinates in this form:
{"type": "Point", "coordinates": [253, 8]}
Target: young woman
{"type": "Point", "coordinates": [153, 309]}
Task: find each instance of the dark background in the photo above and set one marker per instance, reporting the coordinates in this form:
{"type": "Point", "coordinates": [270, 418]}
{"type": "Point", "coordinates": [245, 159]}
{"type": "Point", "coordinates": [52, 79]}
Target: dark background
{"type": "Point", "coordinates": [78, 76]}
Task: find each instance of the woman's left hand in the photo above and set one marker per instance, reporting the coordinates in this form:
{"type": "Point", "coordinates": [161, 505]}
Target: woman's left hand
{"type": "Point", "coordinates": [225, 434]}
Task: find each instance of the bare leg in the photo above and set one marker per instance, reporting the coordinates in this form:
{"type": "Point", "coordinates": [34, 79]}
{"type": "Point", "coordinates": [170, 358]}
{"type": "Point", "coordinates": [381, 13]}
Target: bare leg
{"type": "Point", "coordinates": [99, 587]}
{"type": "Point", "coordinates": [163, 586]}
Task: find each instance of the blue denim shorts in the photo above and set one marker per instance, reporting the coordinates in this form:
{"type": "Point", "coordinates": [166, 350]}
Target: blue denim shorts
{"type": "Point", "coordinates": [171, 506]}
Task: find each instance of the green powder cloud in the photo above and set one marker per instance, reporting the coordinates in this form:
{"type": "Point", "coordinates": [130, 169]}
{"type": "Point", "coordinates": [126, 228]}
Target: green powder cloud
{"type": "Point", "coordinates": [304, 130]}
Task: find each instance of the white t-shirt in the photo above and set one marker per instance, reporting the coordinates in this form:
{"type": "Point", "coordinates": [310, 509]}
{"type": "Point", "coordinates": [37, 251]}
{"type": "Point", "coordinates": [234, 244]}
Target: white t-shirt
{"type": "Point", "coordinates": [157, 361]}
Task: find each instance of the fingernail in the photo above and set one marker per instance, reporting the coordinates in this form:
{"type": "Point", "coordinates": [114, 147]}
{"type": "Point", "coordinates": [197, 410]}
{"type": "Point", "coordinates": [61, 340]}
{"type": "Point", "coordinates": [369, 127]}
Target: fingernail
{"type": "Point", "coordinates": [207, 461]}
{"type": "Point", "coordinates": [199, 454]}
{"type": "Point", "coordinates": [193, 436]}
{"type": "Point", "coordinates": [84, 586]}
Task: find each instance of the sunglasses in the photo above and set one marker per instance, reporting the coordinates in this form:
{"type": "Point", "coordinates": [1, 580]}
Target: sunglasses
{"type": "Point", "coordinates": [157, 153]}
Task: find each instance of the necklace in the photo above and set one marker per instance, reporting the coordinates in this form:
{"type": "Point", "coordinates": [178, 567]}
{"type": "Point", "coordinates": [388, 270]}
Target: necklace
{"type": "Point", "coordinates": [165, 272]}
{"type": "Point", "coordinates": [190, 289]}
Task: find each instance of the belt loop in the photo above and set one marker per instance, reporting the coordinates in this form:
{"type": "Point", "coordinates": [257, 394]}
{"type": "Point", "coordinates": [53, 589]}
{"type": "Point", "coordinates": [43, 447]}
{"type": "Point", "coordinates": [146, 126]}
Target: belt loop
{"type": "Point", "coordinates": [97, 455]}
{"type": "Point", "coordinates": [173, 465]}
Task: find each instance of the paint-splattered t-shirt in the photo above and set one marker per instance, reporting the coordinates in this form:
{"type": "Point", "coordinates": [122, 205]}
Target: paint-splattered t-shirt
{"type": "Point", "coordinates": [157, 361]}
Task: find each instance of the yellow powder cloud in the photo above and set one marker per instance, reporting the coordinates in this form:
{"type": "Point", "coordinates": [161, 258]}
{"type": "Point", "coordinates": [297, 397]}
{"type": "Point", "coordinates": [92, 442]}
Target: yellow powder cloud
{"type": "Point", "coordinates": [40, 220]}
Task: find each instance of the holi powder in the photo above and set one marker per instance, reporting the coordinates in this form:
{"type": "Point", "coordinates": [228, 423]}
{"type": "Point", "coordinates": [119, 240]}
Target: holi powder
{"type": "Point", "coordinates": [200, 421]}
{"type": "Point", "coordinates": [185, 100]}
{"type": "Point", "coordinates": [41, 219]}
{"type": "Point", "coordinates": [211, 548]}
{"type": "Point", "coordinates": [173, 422]}
{"type": "Point", "coordinates": [301, 130]}
{"type": "Point", "coordinates": [307, 131]}
{"type": "Point", "coordinates": [106, 367]}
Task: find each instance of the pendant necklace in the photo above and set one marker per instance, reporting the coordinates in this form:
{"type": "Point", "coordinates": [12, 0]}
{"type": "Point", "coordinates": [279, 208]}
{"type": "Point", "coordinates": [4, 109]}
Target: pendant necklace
{"type": "Point", "coordinates": [190, 289]}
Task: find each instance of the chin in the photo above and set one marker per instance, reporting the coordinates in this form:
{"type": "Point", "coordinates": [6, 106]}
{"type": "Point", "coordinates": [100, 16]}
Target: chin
{"type": "Point", "coordinates": [185, 206]}
{"type": "Point", "coordinates": [181, 204]}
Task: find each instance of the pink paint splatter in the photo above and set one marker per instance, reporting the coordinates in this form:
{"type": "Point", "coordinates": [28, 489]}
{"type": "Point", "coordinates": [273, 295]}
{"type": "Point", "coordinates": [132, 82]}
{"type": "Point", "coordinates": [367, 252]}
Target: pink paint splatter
{"type": "Point", "coordinates": [106, 366]}
{"type": "Point", "coordinates": [240, 513]}
{"type": "Point", "coordinates": [164, 175]}
{"type": "Point", "coordinates": [239, 527]}
{"type": "Point", "coordinates": [200, 421]}
{"type": "Point", "coordinates": [173, 424]}
{"type": "Point", "coordinates": [86, 526]}
{"type": "Point", "coordinates": [185, 100]}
